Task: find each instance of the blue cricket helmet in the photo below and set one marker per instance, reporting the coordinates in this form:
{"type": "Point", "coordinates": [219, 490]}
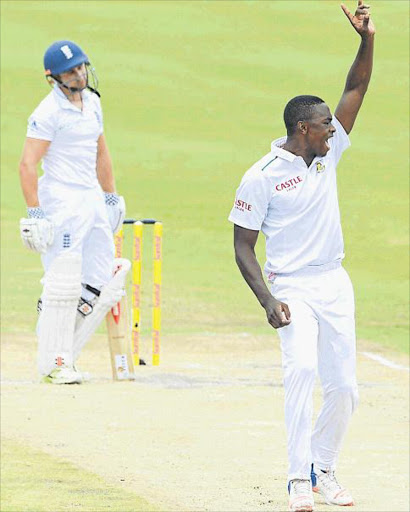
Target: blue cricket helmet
{"type": "Point", "coordinates": [62, 56]}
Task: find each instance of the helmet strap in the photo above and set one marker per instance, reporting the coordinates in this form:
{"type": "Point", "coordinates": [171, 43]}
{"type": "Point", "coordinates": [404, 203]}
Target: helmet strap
{"type": "Point", "coordinates": [93, 90]}
{"type": "Point", "coordinates": [73, 90]}
{"type": "Point", "coordinates": [52, 79]}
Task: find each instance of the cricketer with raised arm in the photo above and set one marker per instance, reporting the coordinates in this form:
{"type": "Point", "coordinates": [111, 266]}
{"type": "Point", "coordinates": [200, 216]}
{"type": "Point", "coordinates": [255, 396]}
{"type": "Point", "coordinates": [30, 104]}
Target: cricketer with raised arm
{"type": "Point", "coordinates": [72, 212]}
{"type": "Point", "coordinates": [291, 196]}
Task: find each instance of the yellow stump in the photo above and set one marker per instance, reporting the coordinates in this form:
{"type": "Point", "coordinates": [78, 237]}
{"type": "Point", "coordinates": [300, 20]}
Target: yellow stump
{"type": "Point", "coordinates": [136, 289]}
{"type": "Point", "coordinates": [156, 295]}
{"type": "Point", "coordinates": [119, 242]}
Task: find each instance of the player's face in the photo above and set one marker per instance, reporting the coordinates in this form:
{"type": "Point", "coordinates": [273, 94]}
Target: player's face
{"type": "Point", "coordinates": [320, 129]}
{"type": "Point", "coordinates": [75, 78]}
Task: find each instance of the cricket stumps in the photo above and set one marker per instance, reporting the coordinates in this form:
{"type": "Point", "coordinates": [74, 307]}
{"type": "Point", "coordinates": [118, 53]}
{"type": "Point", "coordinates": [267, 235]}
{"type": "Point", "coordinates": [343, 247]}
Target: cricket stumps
{"type": "Point", "coordinates": [137, 245]}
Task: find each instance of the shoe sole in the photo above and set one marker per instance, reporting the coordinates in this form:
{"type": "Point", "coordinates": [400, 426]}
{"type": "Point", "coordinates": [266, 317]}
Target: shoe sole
{"type": "Point", "coordinates": [305, 508]}
{"type": "Point", "coordinates": [328, 502]}
{"type": "Point", "coordinates": [47, 380]}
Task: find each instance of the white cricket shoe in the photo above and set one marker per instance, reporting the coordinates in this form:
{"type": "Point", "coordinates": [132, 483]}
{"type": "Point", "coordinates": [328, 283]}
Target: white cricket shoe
{"type": "Point", "coordinates": [301, 496]}
{"type": "Point", "coordinates": [63, 375]}
{"type": "Point", "coordinates": [86, 376]}
{"type": "Point", "coordinates": [331, 490]}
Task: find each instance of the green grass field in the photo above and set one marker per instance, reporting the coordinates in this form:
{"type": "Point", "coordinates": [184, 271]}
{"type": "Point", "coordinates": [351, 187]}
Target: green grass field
{"type": "Point", "coordinates": [50, 483]}
{"type": "Point", "coordinates": [193, 93]}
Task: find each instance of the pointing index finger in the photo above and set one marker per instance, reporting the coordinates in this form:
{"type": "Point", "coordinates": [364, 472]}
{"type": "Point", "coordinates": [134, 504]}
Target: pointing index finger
{"type": "Point", "coordinates": [346, 11]}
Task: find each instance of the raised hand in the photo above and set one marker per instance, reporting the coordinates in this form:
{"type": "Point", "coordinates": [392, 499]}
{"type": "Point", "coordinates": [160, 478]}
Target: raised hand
{"type": "Point", "coordinates": [360, 21]}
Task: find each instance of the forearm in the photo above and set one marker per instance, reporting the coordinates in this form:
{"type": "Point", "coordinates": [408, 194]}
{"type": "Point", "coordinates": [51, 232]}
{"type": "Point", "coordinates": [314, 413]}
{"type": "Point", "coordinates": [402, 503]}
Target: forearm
{"type": "Point", "coordinates": [105, 174]}
{"type": "Point", "coordinates": [361, 70]}
{"type": "Point", "coordinates": [251, 272]}
{"type": "Point", "coordinates": [29, 183]}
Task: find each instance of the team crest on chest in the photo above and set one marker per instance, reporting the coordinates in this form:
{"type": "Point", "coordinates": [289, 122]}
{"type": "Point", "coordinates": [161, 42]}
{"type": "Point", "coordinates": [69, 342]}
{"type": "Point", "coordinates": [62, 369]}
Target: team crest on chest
{"type": "Point", "coordinates": [320, 167]}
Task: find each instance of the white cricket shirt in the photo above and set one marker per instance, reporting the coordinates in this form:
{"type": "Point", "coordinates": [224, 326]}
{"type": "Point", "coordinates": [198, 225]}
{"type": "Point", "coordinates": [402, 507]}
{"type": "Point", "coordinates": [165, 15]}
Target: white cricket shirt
{"type": "Point", "coordinates": [72, 155]}
{"type": "Point", "coordinates": [294, 206]}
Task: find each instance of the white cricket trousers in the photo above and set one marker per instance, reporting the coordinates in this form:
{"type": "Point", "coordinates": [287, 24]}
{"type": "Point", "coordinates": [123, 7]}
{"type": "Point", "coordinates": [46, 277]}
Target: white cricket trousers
{"type": "Point", "coordinates": [81, 226]}
{"type": "Point", "coordinates": [320, 338]}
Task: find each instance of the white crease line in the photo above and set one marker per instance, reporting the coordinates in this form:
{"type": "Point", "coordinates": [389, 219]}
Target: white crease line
{"type": "Point", "coordinates": [384, 361]}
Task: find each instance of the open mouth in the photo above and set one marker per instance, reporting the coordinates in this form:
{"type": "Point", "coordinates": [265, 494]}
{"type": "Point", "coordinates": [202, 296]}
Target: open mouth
{"type": "Point", "coordinates": [327, 142]}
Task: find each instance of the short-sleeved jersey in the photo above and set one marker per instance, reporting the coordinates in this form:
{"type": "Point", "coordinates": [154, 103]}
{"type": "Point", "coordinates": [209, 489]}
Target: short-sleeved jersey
{"type": "Point", "coordinates": [295, 206]}
{"type": "Point", "coordinates": [72, 155]}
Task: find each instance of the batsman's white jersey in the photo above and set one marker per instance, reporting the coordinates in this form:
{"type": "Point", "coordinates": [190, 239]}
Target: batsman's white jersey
{"type": "Point", "coordinates": [72, 199]}
{"type": "Point", "coordinates": [69, 192]}
{"type": "Point", "coordinates": [296, 207]}
{"type": "Point", "coordinates": [73, 133]}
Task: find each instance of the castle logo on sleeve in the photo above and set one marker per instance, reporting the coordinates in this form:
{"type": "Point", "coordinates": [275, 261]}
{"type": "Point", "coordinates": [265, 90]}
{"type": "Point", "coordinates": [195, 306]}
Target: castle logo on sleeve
{"type": "Point", "coordinates": [242, 206]}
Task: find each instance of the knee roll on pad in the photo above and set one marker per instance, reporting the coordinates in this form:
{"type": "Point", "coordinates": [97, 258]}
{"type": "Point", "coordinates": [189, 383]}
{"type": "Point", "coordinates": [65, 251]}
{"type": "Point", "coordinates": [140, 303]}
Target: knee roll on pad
{"type": "Point", "coordinates": [62, 289]}
{"type": "Point", "coordinates": [62, 281]}
{"type": "Point", "coordinates": [110, 295]}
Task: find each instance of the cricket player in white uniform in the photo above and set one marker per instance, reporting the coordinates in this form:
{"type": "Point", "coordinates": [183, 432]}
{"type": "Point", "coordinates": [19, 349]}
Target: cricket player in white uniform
{"type": "Point", "coordinates": [291, 196]}
{"type": "Point", "coordinates": [72, 212]}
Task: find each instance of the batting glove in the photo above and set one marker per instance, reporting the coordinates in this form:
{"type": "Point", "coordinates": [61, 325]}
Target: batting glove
{"type": "Point", "coordinates": [115, 209]}
{"type": "Point", "coordinates": [37, 233]}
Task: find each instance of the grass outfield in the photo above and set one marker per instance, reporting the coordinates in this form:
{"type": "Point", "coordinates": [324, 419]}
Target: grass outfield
{"type": "Point", "coordinates": [31, 478]}
{"type": "Point", "coordinates": [193, 93]}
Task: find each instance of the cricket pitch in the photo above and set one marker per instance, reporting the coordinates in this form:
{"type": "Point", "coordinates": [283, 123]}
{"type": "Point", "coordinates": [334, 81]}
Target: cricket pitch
{"type": "Point", "coordinates": [204, 431]}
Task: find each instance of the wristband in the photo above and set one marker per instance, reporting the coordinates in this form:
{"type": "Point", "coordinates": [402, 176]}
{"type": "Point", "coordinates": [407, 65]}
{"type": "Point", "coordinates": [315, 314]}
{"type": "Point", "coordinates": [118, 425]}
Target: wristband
{"type": "Point", "coordinates": [35, 212]}
{"type": "Point", "coordinates": [111, 198]}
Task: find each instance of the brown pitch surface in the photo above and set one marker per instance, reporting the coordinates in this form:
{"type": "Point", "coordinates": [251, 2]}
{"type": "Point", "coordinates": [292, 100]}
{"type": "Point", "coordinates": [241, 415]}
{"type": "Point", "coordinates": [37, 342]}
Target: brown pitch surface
{"type": "Point", "coordinates": [205, 430]}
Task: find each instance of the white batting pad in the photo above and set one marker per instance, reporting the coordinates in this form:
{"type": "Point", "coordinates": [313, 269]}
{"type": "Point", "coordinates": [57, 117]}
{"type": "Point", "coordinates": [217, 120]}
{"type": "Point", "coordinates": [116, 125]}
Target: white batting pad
{"type": "Point", "coordinates": [55, 328]}
{"type": "Point", "coordinates": [110, 295]}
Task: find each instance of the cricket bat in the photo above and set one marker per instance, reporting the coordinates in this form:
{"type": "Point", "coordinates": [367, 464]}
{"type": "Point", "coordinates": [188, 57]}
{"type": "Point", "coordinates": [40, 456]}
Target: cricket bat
{"type": "Point", "coordinates": [119, 341]}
